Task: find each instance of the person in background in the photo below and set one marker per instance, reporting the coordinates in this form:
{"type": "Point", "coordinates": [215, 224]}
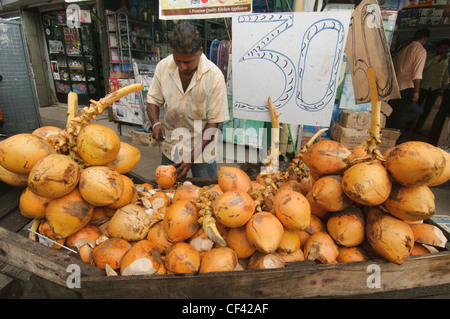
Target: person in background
{"type": "Point", "coordinates": [441, 115]}
{"type": "Point", "coordinates": [193, 93]}
{"type": "Point", "coordinates": [435, 79]}
{"type": "Point", "coordinates": [408, 65]}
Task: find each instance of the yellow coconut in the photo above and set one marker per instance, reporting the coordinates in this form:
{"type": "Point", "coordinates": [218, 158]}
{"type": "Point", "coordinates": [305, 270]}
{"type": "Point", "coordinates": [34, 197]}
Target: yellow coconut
{"type": "Point", "coordinates": [419, 249]}
{"type": "Point", "coordinates": [219, 259]}
{"type": "Point", "coordinates": [445, 176]}
{"type": "Point", "coordinates": [180, 220]}
{"type": "Point", "coordinates": [46, 131]}
{"type": "Point", "coordinates": [328, 194]}
{"type": "Point", "coordinates": [367, 183]}
{"type": "Point", "coordinates": [265, 232]}
{"type": "Point", "coordinates": [32, 205]}
{"type": "Point", "coordinates": [187, 191]}
{"type": "Point", "coordinates": [130, 223]}
{"type": "Point", "coordinates": [213, 190]}
{"type": "Point", "coordinates": [316, 210]}
{"type": "Point", "coordinates": [110, 252]}
{"type": "Point", "coordinates": [233, 178]}
{"type": "Point", "coordinates": [321, 248]}
{"type": "Point", "coordinates": [233, 208]}
{"type": "Point", "coordinates": [182, 258]}
{"type": "Point", "coordinates": [85, 241]}
{"type": "Point", "coordinates": [260, 260]}
{"type": "Point", "coordinates": [428, 234]}
{"type": "Point", "coordinates": [129, 194]}
{"type": "Point", "coordinates": [54, 176]}
{"type": "Point", "coordinates": [126, 159]}
{"type": "Point", "coordinates": [410, 203]}
{"type": "Point", "coordinates": [237, 239]}
{"type": "Point", "coordinates": [141, 259]}
{"type": "Point", "coordinates": [165, 176]}
{"type": "Point", "coordinates": [351, 254]}
{"type": "Point", "coordinates": [158, 237]}
{"type": "Point", "coordinates": [389, 237]}
{"type": "Point", "coordinates": [101, 185]}
{"type": "Point", "coordinates": [13, 179]}
{"type": "Point", "coordinates": [347, 227]}
{"type": "Point", "coordinates": [159, 199]}
{"type": "Point", "coordinates": [98, 144]}
{"type": "Point", "coordinates": [316, 225]}
{"type": "Point", "coordinates": [290, 242]}
{"type": "Point", "coordinates": [20, 152]}
{"type": "Point", "coordinates": [200, 241]}
{"type": "Point", "coordinates": [68, 214]}
{"type": "Point", "coordinates": [326, 157]}
{"type": "Point", "coordinates": [45, 230]}
{"type": "Point", "coordinates": [296, 255]}
{"type": "Point", "coordinates": [290, 184]}
{"type": "Point", "coordinates": [292, 209]}
{"type": "Point", "coordinates": [415, 163]}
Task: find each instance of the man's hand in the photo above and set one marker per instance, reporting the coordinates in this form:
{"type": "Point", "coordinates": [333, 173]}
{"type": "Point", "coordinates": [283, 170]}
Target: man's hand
{"type": "Point", "coordinates": [159, 133]}
{"type": "Point", "coordinates": [415, 97]}
{"type": "Point", "coordinates": [182, 169]}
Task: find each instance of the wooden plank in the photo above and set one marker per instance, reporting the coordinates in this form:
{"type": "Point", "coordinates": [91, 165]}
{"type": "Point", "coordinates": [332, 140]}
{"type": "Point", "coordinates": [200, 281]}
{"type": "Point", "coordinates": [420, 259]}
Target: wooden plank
{"type": "Point", "coordinates": [14, 221]}
{"type": "Point", "coordinates": [10, 201]}
{"type": "Point", "coordinates": [6, 286]}
{"type": "Point", "coordinates": [297, 280]}
{"type": "Point", "coordinates": [31, 256]}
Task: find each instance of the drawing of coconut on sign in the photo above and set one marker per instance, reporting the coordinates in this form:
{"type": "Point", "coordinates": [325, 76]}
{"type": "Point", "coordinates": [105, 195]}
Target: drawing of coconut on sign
{"type": "Point", "coordinates": [293, 58]}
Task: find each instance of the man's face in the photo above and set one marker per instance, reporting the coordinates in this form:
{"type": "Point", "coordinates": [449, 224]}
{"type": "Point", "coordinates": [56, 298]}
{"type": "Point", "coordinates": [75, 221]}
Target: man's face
{"type": "Point", "coordinates": [187, 63]}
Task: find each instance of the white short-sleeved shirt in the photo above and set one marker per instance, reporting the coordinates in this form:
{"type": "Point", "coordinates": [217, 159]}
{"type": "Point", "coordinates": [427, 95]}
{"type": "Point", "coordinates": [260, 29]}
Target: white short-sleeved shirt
{"type": "Point", "coordinates": [205, 101]}
{"type": "Point", "coordinates": [409, 64]}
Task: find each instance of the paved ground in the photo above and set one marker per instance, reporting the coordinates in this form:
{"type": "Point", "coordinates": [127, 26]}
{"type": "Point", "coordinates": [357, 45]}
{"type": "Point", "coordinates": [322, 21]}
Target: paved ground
{"type": "Point", "coordinates": [151, 156]}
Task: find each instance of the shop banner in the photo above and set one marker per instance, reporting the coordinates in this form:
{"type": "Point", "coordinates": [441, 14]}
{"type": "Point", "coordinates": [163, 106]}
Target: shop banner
{"type": "Point", "coordinates": [202, 9]}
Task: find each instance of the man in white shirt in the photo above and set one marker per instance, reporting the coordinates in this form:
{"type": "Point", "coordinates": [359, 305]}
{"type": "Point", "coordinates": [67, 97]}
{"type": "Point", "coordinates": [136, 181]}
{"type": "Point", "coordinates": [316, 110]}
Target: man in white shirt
{"type": "Point", "coordinates": [193, 93]}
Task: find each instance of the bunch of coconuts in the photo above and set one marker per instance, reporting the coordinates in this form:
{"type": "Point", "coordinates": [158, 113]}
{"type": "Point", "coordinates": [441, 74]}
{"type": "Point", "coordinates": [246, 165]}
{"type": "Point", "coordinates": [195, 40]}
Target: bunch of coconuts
{"type": "Point", "coordinates": [356, 212]}
{"type": "Point", "coordinates": [351, 213]}
{"type": "Point", "coordinates": [350, 208]}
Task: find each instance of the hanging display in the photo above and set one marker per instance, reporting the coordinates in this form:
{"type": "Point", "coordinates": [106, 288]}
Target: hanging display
{"type": "Point", "coordinates": [72, 57]}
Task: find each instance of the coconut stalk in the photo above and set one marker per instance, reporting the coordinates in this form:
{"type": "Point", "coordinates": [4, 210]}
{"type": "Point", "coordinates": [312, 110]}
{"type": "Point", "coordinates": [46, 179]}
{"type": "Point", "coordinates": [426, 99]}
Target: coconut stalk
{"type": "Point", "coordinates": [272, 161]}
{"type": "Point", "coordinates": [206, 219]}
{"type": "Point", "coordinates": [296, 165]}
{"type": "Point", "coordinates": [374, 140]}
{"type": "Point", "coordinates": [66, 141]}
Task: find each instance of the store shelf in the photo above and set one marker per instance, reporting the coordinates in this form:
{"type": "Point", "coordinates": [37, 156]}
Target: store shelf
{"type": "Point", "coordinates": [74, 65]}
{"type": "Point", "coordinates": [129, 38]}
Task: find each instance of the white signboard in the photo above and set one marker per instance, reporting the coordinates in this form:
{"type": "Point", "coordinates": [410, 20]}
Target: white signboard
{"type": "Point", "coordinates": [293, 58]}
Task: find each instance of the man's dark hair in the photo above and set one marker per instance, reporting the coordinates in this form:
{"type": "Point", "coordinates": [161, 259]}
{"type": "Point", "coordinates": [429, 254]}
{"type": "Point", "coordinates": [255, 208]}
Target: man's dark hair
{"type": "Point", "coordinates": [422, 33]}
{"type": "Point", "coordinates": [185, 38]}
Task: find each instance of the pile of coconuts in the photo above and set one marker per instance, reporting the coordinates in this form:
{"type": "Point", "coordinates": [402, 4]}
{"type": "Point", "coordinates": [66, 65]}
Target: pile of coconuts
{"type": "Point", "coordinates": [348, 208]}
{"type": "Point", "coordinates": [345, 213]}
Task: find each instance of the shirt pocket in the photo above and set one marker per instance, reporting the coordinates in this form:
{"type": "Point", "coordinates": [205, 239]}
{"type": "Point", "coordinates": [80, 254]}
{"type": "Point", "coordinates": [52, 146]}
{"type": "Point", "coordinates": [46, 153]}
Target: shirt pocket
{"type": "Point", "coordinates": [196, 105]}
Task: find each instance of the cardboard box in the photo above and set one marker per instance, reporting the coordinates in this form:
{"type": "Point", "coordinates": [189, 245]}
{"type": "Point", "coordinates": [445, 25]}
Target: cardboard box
{"type": "Point", "coordinates": [351, 138]}
{"type": "Point", "coordinates": [359, 120]}
{"type": "Point", "coordinates": [140, 137]}
{"type": "Point", "coordinates": [389, 137]}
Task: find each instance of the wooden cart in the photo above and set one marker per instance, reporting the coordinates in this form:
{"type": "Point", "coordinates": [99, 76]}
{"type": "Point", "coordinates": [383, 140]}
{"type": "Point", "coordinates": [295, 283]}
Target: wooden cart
{"type": "Point", "coordinates": [28, 269]}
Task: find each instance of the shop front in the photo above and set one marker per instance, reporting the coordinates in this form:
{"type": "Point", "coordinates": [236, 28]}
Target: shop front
{"type": "Point", "coordinates": [73, 55]}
